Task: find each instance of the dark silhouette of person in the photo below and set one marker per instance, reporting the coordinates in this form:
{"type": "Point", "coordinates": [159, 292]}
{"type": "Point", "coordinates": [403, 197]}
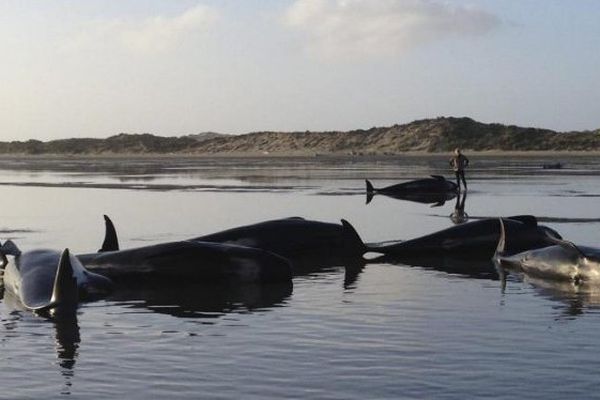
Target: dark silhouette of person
{"type": "Point", "coordinates": [459, 215]}
{"type": "Point", "coordinates": [459, 162]}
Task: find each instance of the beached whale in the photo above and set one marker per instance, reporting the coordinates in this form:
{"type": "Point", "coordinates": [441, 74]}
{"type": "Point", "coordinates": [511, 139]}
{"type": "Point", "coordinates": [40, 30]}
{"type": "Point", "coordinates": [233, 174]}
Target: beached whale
{"type": "Point", "coordinates": [563, 260]}
{"type": "Point", "coordinates": [293, 238]}
{"type": "Point", "coordinates": [48, 281]}
{"type": "Point", "coordinates": [435, 189]}
{"type": "Point", "coordinates": [478, 238]}
{"type": "Point", "coordinates": [190, 261]}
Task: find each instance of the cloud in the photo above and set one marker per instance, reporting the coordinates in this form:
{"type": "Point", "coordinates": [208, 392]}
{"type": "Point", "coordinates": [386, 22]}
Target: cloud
{"type": "Point", "coordinates": [368, 27]}
{"type": "Point", "coordinates": [151, 35]}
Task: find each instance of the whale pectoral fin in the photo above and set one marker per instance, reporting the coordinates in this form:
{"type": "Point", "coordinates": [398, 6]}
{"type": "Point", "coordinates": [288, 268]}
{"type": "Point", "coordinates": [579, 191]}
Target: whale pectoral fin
{"type": "Point", "coordinates": [528, 220]}
{"type": "Point", "coordinates": [501, 247]}
{"type": "Point", "coordinates": [438, 177]}
{"type": "Point", "coordinates": [439, 203]}
{"type": "Point", "coordinates": [111, 242]}
{"type": "Point", "coordinates": [567, 245]}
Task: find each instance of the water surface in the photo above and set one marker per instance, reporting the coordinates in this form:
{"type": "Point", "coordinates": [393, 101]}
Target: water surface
{"type": "Point", "coordinates": [385, 331]}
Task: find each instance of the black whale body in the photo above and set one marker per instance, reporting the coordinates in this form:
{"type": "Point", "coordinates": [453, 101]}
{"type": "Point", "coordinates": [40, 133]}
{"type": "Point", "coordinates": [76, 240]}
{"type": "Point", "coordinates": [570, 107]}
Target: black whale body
{"type": "Point", "coordinates": [435, 189]}
{"type": "Point", "coordinates": [190, 261]}
{"type": "Point", "coordinates": [292, 238]}
{"type": "Point", "coordinates": [478, 238]}
{"type": "Point", "coordinates": [307, 244]}
{"type": "Point", "coordinates": [51, 282]}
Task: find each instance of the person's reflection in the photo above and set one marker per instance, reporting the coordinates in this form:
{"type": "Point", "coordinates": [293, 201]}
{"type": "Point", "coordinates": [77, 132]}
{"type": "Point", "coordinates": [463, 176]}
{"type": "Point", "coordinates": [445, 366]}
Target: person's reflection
{"type": "Point", "coordinates": [459, 215]}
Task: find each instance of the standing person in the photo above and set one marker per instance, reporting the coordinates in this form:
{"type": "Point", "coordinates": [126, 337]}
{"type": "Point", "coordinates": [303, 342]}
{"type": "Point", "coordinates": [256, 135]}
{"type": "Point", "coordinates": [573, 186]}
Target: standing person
{"type": "Point", "coordinates": [459, 162]}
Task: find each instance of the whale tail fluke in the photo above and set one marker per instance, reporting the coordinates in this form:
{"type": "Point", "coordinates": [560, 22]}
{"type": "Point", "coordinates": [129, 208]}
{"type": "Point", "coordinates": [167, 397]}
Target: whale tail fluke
{"type": "Point", "coordinates": [370, 188]}
{"type": "Point", "coordinates": [65, 294]}
{"type": "Point", "coordinates": [370, 191]}
{"type": "Point", "coordinates": [353, 244]}
{"type": "Point", "coordinates": [111, 242]}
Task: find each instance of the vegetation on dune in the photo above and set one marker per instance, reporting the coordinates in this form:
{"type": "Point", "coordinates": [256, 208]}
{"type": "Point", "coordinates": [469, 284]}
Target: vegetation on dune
{"type": "Point", "coordinates": [428, 135]}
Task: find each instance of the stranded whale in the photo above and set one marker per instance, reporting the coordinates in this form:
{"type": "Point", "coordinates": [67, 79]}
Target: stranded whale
{"type": "Point", "coordinates": [294, 238]}
{"type": "Point", "coordinates": [563, 260]}
{"type": "Point", "coordinates": [48, 281]}
{"type": "Point", "coordinates": [436, 189]}
{"type": "Point", "coordinates": [476, 239]}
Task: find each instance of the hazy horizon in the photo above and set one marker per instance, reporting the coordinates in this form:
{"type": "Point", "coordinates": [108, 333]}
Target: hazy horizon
{"type": "Point", "coordinates": [96, 69]}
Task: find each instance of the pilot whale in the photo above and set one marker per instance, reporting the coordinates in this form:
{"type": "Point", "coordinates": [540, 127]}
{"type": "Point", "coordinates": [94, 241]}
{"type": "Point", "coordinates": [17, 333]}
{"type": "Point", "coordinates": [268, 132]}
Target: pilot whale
{"type": "Point", "coordinates": [563, 260]}
{"type": "Point", "coordinates": [476, 239]}
{"type": "Point", "coordinates": [435, 189]}
{"type": "Point", "coordinates": [189, 261]}
{"type": "Point", "coordinates": [291, 238]}
{"type": "Point", "coordinates": [48, 281]}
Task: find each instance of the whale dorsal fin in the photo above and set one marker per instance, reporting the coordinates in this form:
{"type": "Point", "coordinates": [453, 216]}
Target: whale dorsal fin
{"type": "Point", "coordinates": [566, 244]}
{"type": "Point", "coordinates": [528, 220]}
{"type": "Point", "coordinates": [352, 243]}
{"type": "Point", "coordinates": [438, 177]}
{"type": "Point", "coordinates": [111, 242]}
{"type": "Point", "coordinates": [64, 291]}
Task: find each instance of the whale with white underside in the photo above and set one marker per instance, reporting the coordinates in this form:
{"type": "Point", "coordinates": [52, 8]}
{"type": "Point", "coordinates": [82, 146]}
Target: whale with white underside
{"type": "Point", "coordinates": [563, 260]}
{"type": "Point", "coordinates": [49, 281]}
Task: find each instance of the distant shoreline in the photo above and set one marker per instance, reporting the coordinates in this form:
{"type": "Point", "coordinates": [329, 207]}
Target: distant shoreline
{"type": "Point", "coordinates": [416, 154]}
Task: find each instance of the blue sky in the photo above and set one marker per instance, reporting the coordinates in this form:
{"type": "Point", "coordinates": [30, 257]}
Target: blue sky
{"type": "Point", "coordinates": [97, 68]}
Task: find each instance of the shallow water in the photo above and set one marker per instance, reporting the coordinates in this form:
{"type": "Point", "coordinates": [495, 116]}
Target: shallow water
{"type": "Point", "coordinates": [384, 331]}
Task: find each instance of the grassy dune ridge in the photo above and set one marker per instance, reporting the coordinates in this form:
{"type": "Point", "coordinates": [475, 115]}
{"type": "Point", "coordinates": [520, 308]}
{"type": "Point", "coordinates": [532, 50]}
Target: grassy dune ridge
{"type": "Point", "coordinates": [424, 136]}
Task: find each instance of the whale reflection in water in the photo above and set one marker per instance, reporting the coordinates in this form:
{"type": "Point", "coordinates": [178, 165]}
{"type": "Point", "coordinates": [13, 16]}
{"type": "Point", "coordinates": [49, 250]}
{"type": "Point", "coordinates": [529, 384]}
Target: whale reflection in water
{"type": "Point", "coordinates": [66, 336]}
{"type": "Point", "coordinates": [201, 300]}
{"type": "Point", "coordinates": [468, 267]}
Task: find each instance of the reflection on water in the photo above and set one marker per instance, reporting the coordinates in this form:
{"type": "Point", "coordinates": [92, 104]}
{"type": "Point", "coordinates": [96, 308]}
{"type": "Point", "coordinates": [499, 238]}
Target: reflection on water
{"type": "Point", "coordinates": [67, 344]}
{"type": "Point", "coordinates": [459, 215]}
{"type": "Point", "coordinates": [201, 300]}
{"type": "Point", "coordinates": [66, 336]}
{"type": "Point", "coordinates": [465, 266]}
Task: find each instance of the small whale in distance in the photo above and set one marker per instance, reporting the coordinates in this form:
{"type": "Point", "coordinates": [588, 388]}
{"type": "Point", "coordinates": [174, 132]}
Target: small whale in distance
{"type": "Point", "coordinates": [435, 189]}
{"type": "Point", "coordinates": [563, 260]}
{"type": "Point", "coordinates": [49, 282]}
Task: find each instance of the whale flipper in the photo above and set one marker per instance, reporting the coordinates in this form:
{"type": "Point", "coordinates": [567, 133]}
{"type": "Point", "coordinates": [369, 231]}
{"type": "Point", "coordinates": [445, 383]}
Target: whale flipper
{"type": "Point", "coordinates": [111, 242]}
{"type": "Point", "coordinates": [501, 248]}
{"type": "Point", "coordinates": [438, 177]}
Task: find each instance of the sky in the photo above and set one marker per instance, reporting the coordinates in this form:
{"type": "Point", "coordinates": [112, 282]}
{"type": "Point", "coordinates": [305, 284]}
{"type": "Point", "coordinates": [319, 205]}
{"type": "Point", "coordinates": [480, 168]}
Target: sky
{"type": "Point", "coordinates": [96, 68]}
